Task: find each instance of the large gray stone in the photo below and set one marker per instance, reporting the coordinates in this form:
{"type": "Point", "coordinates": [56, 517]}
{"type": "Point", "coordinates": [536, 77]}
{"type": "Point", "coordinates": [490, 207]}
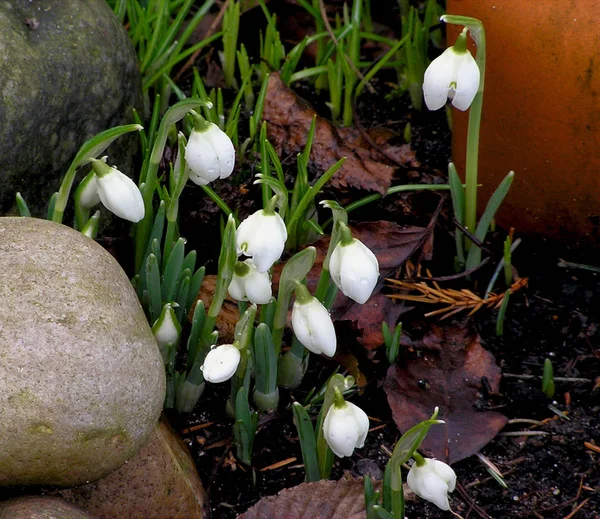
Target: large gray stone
{"type": "Point", "coordinates": [67, 71]}
{"type": "Point", "coordinates": [41, 508]}
{"type": "Point", "coordinates": [161, 482]}
{"type": "Point", "coordinates": [81, 378]}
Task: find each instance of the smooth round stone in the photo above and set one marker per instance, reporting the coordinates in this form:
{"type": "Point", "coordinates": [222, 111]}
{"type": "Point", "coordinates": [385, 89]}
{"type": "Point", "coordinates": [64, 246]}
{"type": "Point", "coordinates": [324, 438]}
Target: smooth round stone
{"type": "Point", "coordinates": [41, 508]}
{"type": "Point", "coordinates": [81, 378]}
{"type": "Point", "coordinates": [67, 72]}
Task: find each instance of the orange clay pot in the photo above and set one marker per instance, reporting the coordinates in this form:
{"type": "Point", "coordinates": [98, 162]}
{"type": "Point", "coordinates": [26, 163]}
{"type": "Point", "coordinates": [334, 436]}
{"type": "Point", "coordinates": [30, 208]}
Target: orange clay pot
{"type": "Point", "coordinates": [541, 114]}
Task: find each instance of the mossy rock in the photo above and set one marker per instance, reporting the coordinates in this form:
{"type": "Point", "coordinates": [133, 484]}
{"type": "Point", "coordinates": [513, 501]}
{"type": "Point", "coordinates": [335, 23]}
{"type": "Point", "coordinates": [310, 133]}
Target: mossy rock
{"type": "Point", "coordinates": [67, 72]}
{"type": "Point", "coordinates": [37, 507]}
{"type": "Point", "coordinates": [82, 381]}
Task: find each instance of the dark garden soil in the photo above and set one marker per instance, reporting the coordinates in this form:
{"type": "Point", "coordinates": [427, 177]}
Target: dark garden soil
{"type": "Point", "coordinates": [550, 471]}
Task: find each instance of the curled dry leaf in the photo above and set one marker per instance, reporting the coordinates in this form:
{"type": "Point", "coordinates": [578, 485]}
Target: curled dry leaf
{"type": "Point", "coordinates": [289, 119]}
{"type": "Point", "coordinates": [448, 374]}
{"type": "Point", "coordinates": [342, 499]}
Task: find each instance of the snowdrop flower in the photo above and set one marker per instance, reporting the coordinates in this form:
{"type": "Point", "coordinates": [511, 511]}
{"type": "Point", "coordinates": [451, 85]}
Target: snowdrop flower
{"type": "Point", "coordinates": [312, 323]}
{"type": "Point", "coordinates": [118, 193]}
{"type": "Point", "coordinates": [262, 236]}
{"type": "Point", "coordinates": [353, 268]}
{"type": "Point", "coordinates": [209, 153]}
{"type": "Point", "coordinates": [345, 427]}
{"type": "Point", "coordinates": [221, 363]}
{"type": "Point", "coordinates": [248, 284]}
{"type": "Point", "coordinates": [453, 75]}
{"type": "Point", "coordinates": [432, 480]}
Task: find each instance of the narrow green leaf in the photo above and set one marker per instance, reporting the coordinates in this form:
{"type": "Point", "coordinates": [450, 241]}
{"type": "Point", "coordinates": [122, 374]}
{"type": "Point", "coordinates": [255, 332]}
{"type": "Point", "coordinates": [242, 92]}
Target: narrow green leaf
{"type": "Point", "coordinates": [308, 444]}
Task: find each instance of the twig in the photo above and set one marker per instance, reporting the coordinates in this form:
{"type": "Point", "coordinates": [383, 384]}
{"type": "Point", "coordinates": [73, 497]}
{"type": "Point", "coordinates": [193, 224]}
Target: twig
{"type": "Point", "coordinates": [523, 433]}
{"type": "Point", "coordinates": [211, 30]}
{"type": "Point", "coordinates": [579, 507]}
{"type": "Point", "coordinates": [336, 43]}
{"type": "Point", "coordinates": [471, 502]}
{"type": "Point", "coordinates": [556, 379]}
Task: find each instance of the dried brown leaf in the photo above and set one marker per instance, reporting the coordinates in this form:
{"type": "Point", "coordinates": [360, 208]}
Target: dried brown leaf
{"type": "Point", "coordinates": [289, 119]}
{"type": "Point", "coordinates": [342, 499]}
{"type": "Point", "coordinates": [447, 375]}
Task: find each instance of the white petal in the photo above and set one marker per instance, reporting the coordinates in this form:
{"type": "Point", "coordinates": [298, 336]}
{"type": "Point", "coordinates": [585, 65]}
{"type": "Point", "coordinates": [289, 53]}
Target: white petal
{"type": "Point", "coordinates": [444, 471]}
{"type": "Point", "coordinates": [88, 196]}
{"type": "Point", "coordinates": [202, 159]}
{"type": "Point", "coordinates": [237, 288]}
{"type": "Point", "coordinates": [221, 363]}
{"type": "Point", "coordinates": [258, 286]}
{"type": "Point", "coordinates": [355, 270]}
{"type": "Point", "coordinates": [314, 328]}
{"type": "Point", "coordinates": [121, 196]}
{"type": "Point", "coordinates": [223, 148]}
{"type": "Point", "coordinates": [425, 481]}
{"type": "Point", "coordinates": [437, 79]}
{"type": "Point", "coordinates": [262, 237]}
{"type": "Point", "coordinates": [344, 429]}
{"type": "Point", "coordinates": [467, 77]}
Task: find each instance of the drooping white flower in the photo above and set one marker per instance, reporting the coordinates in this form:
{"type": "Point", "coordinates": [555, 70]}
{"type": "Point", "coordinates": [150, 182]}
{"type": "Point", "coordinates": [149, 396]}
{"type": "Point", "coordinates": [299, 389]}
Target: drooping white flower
{"type": "Point", "coordinates": [261, 236]}
{"type": "Point", "coordinates": [354, 269]}
{"type": "Point", "coordinates": [345, 428]}
{"type": "Point", "coordinates": [118, 193]}
{"type": "Point", "coordinates": [452, 75]}
{"type": "Point", "coordinates": [248, 284]}
{"type": "Point", "coordinates": [221, 363]}
{"type": "Point", "coordinates": [209, 154]}
{"type": "Point", "coordinates": [432, 481]}
{"type": "Point", "coordinates": [313, 326]}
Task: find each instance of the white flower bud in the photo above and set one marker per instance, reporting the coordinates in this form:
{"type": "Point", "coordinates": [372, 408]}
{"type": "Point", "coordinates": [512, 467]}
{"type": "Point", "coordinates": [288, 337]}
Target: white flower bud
{"type": "Point", "coordinates": [118, 192]}
{"type": "Point", "coordinates": [221, 363]}
{"type": "Point", "coordinates": [248, 284]}
{"type": "Point", "coordinates": [262, 237]}
{"type": "Point", "coordinates": [354, 269]}
{"type": "Point", "coordinates": [432, 481]}
{"type": "Point", "coordinates": [166, 328]}
{"type": "Point", "coordinates": [313, 327]}
{"type": "Point", "coordinates": [209, 155]}
{"type": "Point", "coordinates": [87, 192]}
{"type": "Point", "coordinates": [453, 74]}
{"type": "Point", "coordinates": [345, 428]}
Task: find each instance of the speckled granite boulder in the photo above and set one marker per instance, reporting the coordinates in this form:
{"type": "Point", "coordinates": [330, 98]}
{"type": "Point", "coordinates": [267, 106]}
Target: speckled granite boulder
{"type": "Point", "coordinates": [67, 72]}
{"type": "Point", "coordinates": [160, 482]}
{"type": "Point", "coordinates": [41, 508]}
{"type": "Point", "coordinates": [81, 378]}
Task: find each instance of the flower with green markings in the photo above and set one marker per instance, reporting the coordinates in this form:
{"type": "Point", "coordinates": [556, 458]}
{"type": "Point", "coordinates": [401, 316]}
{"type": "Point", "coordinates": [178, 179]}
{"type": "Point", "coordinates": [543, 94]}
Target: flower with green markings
{"type": "Point", "coordinates": [262, 236]}
{"type": "Point", "coordinates": [248, 284]}
{"type": "Point", "coordinates": [452, 75]}
{"type": "Point", "coordinates": [312, 323]}
{"type": "Point", "coordinates": [209, 153]}
{"type": "Point", "coordinates": [432, 480]}
{"type": "Point", "coordinates": [166, 329]}
{"type": "Point", "coordinates": [353, 267]}
{"type": "Point", "coordinates": [117, 192]}
{"type": "Point", "coordinates": [221, 363]}
{"type": "Point", "coordinates": [345, 427]}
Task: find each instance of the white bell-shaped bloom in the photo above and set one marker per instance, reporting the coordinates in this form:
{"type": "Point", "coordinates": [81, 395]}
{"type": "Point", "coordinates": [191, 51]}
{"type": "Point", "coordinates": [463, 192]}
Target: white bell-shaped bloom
{"type": "Point", "coordinates": [221, 363]}
{"type": "Point", "coordinates": [345, 428]}
{"type": "Point", "coordinates": [261, 236]}
{"type": "Point", "coordinates": [248, 284]}
{"type": "Point", "coordinates": [432, 481]}
{"type": "Point", "coordinates": [209, 155]}
{"type": "Point", "coordinates": [454, 75]}
{"type": "Point", "coordinates": [313, 326]}
{"type": "Point", "coordinates": [354, 269]}
{"type": "Point", "coordinates": [118, 193]}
